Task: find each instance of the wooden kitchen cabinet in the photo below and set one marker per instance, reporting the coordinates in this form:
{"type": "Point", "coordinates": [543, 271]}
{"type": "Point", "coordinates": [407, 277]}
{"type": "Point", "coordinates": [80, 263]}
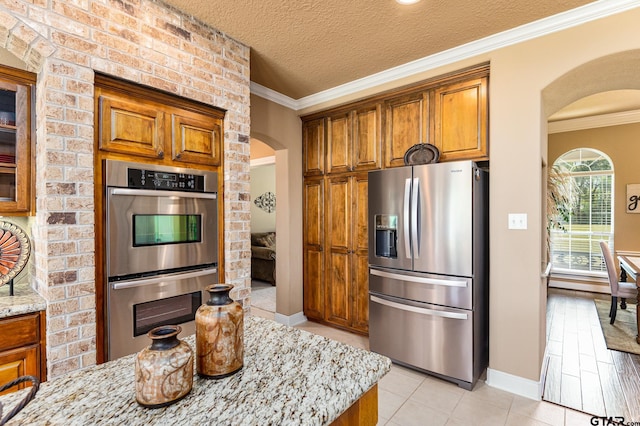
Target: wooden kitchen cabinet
{"type": "Point", "coordinates": [130, 127]}
{"type": "Point", "coordinates": [461, 120]}
{"type": "Point", "coordinates": [407, 124]}
{"type": "Point", "coordinates": [17, 176]}
{"type": "Point", "coordinates": [22, 348]}
{"type": "Point", "coordinates": [313, 147]}
{"type": "Point", "coordinates": [142, 122]}
{"type": "Point", "coordinates": [313, 248]}
{"type": "Point", "coordinates": [354, 141]}
{"type": "Point", "coordinates": [347, 241]}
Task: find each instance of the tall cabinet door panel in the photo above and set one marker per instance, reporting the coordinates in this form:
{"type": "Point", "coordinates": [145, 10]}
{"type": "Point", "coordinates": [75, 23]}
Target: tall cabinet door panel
{"type": "Point", "coordinates": [367, 138]}
{"type": "Point", "coordinates": [461, 120]}
{"type": "Point", "coordinates": [339, 133]}
{"type": "Point", "coordinates": [338, 286]}
{"type": "Point", "coordinates": [313, 147]}
{"type": "Point", "coordinates": [360, 253]}
{"type": "Point", "coordinates": [407, 124]}
{"type": "Point", "coordinates": [313, 245]}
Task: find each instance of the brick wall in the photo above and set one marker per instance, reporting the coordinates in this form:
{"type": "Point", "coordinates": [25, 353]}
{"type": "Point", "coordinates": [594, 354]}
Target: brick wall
{"type": "Point", "coordinates": [146, 42]}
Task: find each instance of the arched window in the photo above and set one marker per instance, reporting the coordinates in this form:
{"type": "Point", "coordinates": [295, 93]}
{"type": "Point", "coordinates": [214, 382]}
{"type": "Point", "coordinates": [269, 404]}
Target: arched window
{"type": "Point", "coordinates": [588, 217]}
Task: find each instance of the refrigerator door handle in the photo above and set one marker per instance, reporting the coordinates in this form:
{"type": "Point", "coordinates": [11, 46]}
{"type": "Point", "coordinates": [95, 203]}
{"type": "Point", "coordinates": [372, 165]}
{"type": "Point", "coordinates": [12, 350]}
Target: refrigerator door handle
{"type": "Point", "coordinates": [423, 311]}
{"type": "Point", "coordinates": [415, 199]}
{"type": "Point", "coordinates": [421, 280]}
{"type": "Point", "coordinates": [407, 217]}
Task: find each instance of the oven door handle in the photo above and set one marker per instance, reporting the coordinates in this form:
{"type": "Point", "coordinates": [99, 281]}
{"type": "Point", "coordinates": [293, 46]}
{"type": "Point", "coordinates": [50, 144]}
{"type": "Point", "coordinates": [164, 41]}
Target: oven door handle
{"type": "Point", "coordinates": [162, 193]}
{"type": "Point", "coordinates": [120, 285]}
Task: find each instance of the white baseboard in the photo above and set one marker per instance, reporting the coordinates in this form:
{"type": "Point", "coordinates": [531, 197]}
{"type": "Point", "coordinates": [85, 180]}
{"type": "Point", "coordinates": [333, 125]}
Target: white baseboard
{"type": "Point", "coordinates": [290, 320]}
{"type": "Point", "coordinates": [514, 384]}
{"type": "Point", "coordinates": [578, 286]}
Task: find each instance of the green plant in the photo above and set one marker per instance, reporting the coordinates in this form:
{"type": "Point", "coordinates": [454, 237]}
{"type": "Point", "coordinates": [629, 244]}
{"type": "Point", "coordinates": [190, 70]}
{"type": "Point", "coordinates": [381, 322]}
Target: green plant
{"type": "Point", "coordinates": [560, 200]}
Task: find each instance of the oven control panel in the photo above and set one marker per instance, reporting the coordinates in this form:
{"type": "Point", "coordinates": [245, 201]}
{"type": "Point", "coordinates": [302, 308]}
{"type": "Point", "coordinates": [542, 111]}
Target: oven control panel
{"type": "Point", "coordinates": [153, 179]}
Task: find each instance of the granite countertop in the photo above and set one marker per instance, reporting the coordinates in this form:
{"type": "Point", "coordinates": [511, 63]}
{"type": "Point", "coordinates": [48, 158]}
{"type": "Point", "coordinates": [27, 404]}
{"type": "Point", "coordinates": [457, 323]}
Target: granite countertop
{"type": "Point", "coordinates": [290, 377]}
{"type": "Point", "coordinates": [24, 301]}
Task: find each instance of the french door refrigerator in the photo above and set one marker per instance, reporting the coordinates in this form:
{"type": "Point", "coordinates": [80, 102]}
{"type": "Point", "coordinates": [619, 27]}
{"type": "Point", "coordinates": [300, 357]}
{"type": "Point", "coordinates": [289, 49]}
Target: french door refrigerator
{"type": "Point", "coordinates": [428, 268]}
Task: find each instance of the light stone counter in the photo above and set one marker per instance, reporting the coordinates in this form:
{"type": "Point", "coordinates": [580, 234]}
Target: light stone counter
{"type": "Point", "coordinates": [24, 301]}
{"type": "Point", "coordinates": [290, 377]}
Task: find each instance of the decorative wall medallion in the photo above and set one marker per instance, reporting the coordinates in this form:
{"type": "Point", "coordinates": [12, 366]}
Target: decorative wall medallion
{"type": "Point", "coordinates": [14, 251]}
{"type": "Point", "coordinates": [266, 202]}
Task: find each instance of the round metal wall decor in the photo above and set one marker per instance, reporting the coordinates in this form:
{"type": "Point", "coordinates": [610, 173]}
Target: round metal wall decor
{"type": "Point", "coordinates": [14, 251]}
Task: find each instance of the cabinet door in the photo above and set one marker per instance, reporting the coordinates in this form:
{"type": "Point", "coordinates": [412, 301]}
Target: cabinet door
{"type": "Point", "coordinates": [407, 124]}
{"type": "Point", "coordinates": [360, 255]}
{"type": "Point", "coordinates": [16, 363]}
{"type": "Point", "coordinates": [461, 120]}
{"type": "Point", "coordinates": [313, 247]}
{"type": "Point", "coordinates": [130, 127]}
{"type": "Point", "coordinates": [367, 138]}
{"type": "Point", "coordinates": [339, 239]}
{"type": "Point", "coordinates": [16, 145]}
{"type": "Point", "coordinates": [196, 138]}
{"type": "Point", "coordinates": [339, 145]}
{"type": "Point", "coordinates": [313, 147]}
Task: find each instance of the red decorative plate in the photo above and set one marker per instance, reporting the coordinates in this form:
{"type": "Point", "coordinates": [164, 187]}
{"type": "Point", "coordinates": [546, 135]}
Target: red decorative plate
{"type": "Point", "coordinates": [14, 251]}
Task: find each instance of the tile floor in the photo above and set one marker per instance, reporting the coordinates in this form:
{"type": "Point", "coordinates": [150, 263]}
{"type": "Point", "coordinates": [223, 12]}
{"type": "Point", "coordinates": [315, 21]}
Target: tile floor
{"type": "Point", "coordinates": [407, 397]}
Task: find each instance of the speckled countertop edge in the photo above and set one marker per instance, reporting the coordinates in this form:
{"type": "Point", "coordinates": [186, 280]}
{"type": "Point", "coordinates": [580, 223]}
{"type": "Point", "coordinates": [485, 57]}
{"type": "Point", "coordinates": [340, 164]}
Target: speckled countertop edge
{"type": "Point", "coordinates": [290, 377]}
{"type": "Point", "coordinates": [24, 301]}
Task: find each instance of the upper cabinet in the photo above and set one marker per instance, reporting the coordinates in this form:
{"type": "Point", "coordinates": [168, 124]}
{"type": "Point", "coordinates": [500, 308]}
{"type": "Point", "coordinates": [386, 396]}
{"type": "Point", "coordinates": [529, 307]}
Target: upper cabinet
{"type": "Point", "coordinates": [313, 147]}
{"type": "Point", "coordinates": [407, 124]}
{"type": "Point", "coordinates": [461, 120]}
{"type": "Point", "coordinates": [17, 91]}
{"type": "Point", "coordinates": [142, 122]}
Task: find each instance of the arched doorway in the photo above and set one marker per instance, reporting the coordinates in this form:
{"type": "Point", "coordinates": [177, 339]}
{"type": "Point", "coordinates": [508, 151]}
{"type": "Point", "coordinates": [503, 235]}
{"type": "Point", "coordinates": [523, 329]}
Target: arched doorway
{"type": "Point", "coordinates": [584, 95]}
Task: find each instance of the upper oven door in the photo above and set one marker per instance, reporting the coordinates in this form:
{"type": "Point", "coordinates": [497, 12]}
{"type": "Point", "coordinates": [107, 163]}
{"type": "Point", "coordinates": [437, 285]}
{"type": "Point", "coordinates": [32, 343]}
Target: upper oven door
{"type": "Point", "coordinates": [152, 231]}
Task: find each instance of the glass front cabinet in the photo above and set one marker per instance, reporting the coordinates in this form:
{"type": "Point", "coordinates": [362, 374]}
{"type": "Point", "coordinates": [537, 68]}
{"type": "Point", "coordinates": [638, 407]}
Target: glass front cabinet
{"type": "Point", "coordinates": [17, 89]}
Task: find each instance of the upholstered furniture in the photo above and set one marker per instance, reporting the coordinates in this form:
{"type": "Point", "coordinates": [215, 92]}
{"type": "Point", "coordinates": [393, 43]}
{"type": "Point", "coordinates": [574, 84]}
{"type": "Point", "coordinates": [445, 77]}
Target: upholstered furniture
{"type": "Point", "coordinates": [618, 289]}
{"type": "Point", "coordinates": [263, 256]}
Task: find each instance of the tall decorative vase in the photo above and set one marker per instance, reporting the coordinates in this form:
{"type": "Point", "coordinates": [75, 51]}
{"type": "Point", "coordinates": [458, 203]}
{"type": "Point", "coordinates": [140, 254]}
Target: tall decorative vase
{"type": "Point", "coordinates": [164, 370]}
{"type": "Point", "coordinates": [219, 334]}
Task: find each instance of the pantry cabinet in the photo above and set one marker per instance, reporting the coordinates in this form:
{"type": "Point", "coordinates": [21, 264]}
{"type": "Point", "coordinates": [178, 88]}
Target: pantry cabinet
{"type": "Point", "coordinates": [141, 122]}
{"type": "Point", "coordinates": [313, 147]}
{"type": "Point", "coordinates": [17, 177]}
{"type": "Point", "coordinates": [313, 248]}
{"type": "Point", "coordinates": [346, 242]}
{"type": "Point", "coordinates": [22, 348]}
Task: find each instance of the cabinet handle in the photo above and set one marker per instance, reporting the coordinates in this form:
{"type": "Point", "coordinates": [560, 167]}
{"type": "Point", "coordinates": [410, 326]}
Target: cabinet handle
{"type": "Point", "coordinates": [161, 154]}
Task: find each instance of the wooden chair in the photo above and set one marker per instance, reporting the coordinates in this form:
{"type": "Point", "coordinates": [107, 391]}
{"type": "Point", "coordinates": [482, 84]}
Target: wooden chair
{"type": "Point", "coordinates": [618, 289]}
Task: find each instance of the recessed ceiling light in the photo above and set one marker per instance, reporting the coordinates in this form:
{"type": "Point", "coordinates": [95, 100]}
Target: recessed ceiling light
{"type": "Point", "coordinates": [407, 1]}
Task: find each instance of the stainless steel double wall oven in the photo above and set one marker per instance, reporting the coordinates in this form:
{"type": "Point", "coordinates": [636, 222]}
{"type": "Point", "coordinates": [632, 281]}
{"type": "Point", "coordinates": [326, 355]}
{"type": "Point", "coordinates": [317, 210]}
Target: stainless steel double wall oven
{"type": "Point", "coordinates": [161, 249]}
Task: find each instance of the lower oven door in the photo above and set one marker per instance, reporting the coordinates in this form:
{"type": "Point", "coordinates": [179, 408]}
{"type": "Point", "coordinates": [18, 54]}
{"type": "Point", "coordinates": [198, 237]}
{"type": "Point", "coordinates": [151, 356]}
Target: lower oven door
{"type": "Point", "coordinates": [135, 307]}
{"type": "Point", "coordinates": [429, 337]}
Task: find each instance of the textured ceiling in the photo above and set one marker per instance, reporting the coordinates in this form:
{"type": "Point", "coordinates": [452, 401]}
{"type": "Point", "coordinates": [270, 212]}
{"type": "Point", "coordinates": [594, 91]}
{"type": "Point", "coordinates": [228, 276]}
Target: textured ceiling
{"type": "Point", "coordinates": [299, 48]}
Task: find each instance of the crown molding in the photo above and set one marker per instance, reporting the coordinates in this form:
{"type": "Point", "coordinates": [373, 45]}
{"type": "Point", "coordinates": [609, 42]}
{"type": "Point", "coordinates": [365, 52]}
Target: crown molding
{"type": "Point", "coordinates": [561, 21]}
{"type": "Point", "coordinates": [264, 161]}
{"type": "Point", "coordinates": [591, 122]}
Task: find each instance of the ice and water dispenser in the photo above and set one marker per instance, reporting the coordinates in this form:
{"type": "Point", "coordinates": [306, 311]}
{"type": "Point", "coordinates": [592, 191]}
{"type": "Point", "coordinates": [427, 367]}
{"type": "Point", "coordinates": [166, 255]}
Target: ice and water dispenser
{"type": "Point", "coordinates": [386, 235]}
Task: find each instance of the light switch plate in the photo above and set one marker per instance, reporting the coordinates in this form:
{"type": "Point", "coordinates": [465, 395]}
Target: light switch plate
{"type": "Point", "coordinates": [517, 221]}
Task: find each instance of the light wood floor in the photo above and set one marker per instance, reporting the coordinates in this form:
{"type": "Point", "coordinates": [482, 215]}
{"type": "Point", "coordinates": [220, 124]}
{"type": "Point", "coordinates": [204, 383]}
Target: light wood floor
{"type": "Point", "coordinates": [582, 373]}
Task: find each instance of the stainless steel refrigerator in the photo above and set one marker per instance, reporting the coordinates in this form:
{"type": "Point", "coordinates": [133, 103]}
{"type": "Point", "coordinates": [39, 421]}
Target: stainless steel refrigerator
{"type": "Point", "coordinates": [428, 268]}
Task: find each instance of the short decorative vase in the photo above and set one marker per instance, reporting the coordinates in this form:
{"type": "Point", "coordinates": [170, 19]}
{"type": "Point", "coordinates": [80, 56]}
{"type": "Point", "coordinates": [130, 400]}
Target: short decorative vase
{"type": "Point", "coordinates": [164, 370]}
{"type": "Point", "coordinates": [219, 334]}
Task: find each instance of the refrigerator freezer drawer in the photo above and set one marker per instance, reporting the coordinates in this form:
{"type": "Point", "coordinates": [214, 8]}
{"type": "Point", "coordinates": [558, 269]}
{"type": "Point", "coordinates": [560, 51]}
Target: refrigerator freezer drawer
{"type": "Point", "coordinates": [429, 337]}
{"type": "Point", "coordinates": [427, 288]}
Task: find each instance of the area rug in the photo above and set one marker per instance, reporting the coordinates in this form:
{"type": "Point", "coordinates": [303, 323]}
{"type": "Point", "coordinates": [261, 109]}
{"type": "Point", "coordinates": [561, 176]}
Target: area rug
{"type": "Point", "coordinates": [621, 336]}
{"type": "Point", "coordinates": [264, 298]}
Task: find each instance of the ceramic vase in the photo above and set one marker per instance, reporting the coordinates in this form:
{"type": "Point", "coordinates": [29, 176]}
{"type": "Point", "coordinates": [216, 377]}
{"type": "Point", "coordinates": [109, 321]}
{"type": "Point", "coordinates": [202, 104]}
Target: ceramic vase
{"type": "Point", "coordinates": [219, 334]}
{"type": "Point", "coordinates": [164, 370]}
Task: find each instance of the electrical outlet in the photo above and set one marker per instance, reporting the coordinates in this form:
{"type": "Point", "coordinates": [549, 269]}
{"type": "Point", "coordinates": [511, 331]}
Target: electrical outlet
{"type": "Point", "coordinates": [517, 221]}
